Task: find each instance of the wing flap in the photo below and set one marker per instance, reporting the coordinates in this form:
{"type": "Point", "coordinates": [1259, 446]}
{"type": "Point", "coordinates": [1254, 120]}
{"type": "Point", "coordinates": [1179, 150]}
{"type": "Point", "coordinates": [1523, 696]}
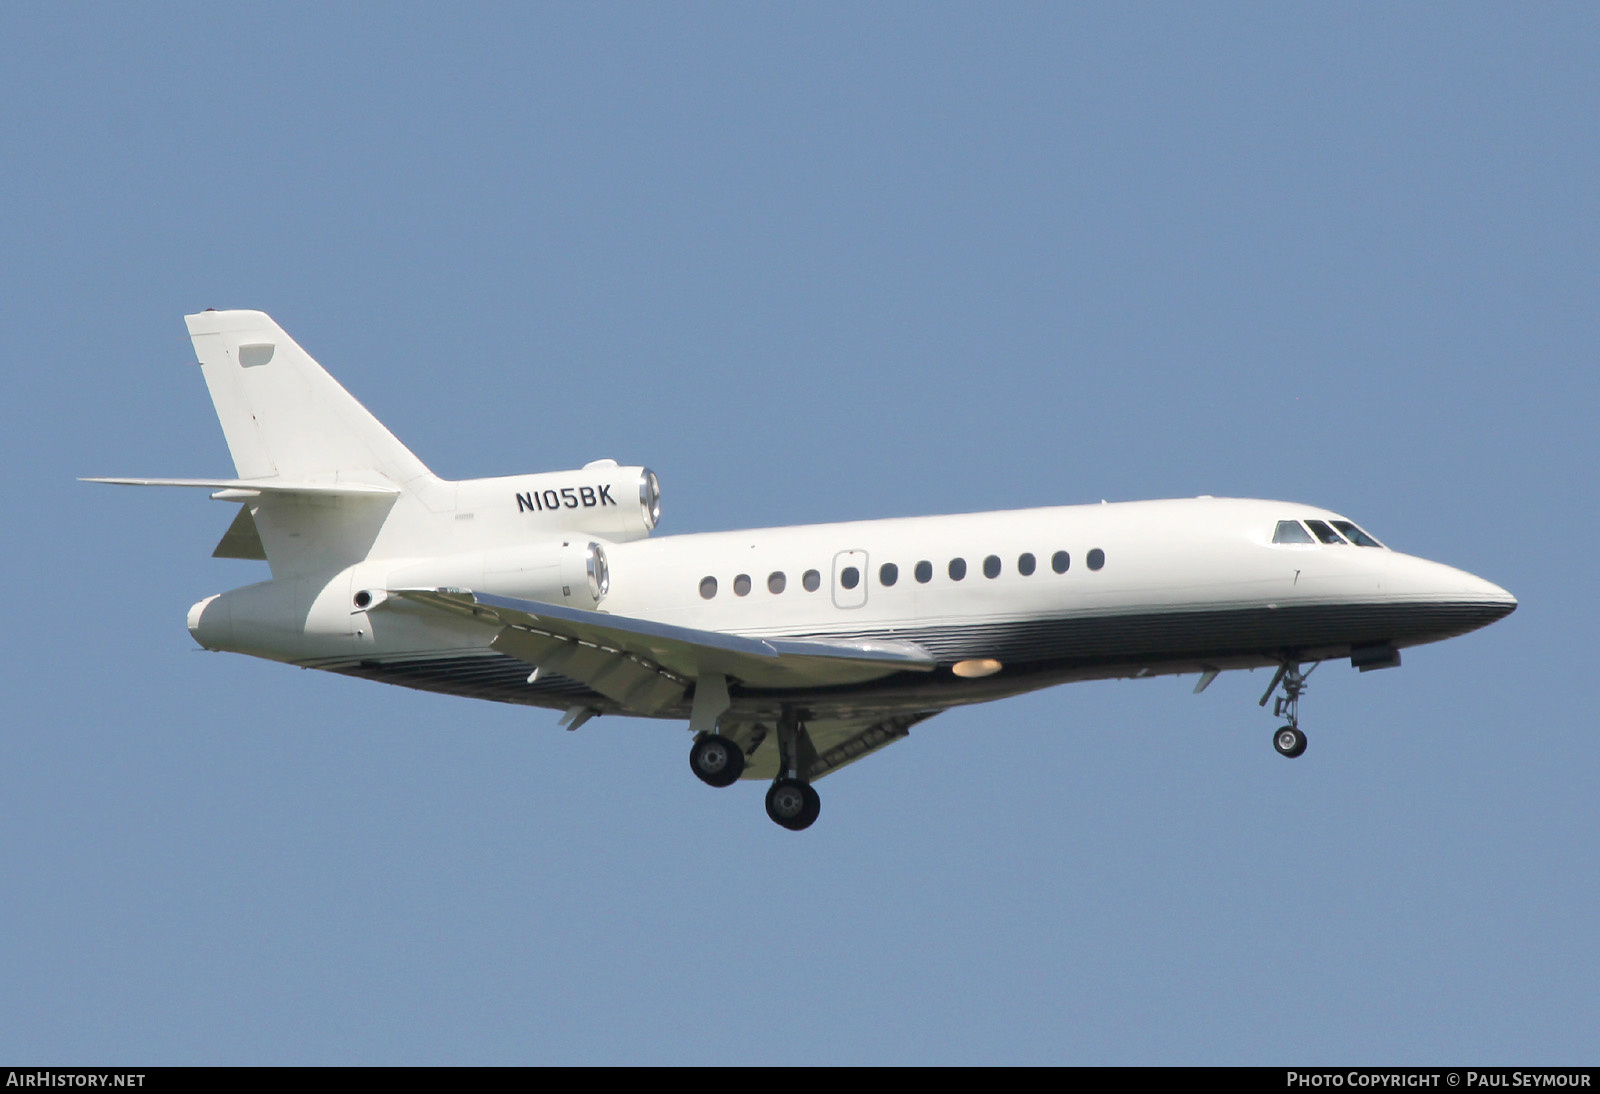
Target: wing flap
{"type": "Point", "coordinates": [835, 742]}
{"type": "Point", "coordinates": [631, 681]}
{"type": "Point", "coordinates": [685, 652]}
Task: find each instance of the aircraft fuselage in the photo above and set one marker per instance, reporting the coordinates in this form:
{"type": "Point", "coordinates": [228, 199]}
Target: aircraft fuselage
{"type": "Point", "coordinates": [1049, 595]}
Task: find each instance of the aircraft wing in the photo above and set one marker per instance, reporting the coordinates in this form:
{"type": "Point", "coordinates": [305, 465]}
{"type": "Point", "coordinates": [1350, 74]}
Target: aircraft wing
{"type": "Point", "coordinates": [646, 666]}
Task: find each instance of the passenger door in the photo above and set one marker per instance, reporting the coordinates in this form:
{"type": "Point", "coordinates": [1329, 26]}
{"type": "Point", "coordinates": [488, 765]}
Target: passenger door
{"type": "Point", "coordinates": [849, 579]}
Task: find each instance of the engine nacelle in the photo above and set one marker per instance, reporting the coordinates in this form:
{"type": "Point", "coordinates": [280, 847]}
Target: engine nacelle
{"type": "Point", "coordinates": [327, 615]}
{"type": "Point", "coordinates": [601, 500]}
{"type": "Point", "coordinates": [571, 572]}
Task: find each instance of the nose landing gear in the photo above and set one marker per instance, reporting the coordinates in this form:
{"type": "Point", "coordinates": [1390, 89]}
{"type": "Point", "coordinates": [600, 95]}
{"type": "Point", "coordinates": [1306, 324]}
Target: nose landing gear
{"type": "Point", "coordinates": [1289, 740]}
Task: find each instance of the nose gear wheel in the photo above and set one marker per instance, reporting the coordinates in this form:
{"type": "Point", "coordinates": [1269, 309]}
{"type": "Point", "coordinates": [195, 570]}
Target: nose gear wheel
{"type": "Point", "coordinates": [1289, 740]}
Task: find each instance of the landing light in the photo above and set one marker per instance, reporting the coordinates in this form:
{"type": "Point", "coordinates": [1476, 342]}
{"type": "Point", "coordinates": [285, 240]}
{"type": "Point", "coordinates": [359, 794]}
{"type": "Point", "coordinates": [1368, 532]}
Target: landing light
{"type": "Point", "coordinates": [972, 670]}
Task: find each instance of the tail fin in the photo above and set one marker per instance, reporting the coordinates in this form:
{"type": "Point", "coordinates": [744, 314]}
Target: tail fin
{"type": "Point", "coordinates": [282, 414]}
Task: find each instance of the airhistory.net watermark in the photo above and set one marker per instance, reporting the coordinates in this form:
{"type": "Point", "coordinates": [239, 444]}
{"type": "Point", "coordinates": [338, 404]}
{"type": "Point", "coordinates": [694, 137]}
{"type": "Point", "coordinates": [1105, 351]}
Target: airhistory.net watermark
{"type": "Point", "coordinates": [37, 1077]}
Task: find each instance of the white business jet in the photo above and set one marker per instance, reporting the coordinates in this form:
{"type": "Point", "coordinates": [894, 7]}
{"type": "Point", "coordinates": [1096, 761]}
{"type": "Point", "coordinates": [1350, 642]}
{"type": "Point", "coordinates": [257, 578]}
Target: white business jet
{"type": "Point", "coordinates": [790, 651]}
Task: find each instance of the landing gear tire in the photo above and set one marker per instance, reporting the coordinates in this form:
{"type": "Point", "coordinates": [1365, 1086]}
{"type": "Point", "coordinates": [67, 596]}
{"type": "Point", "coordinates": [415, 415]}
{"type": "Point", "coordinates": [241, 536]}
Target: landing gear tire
{"type": "Point", "coordinates": [1289, 741]}
{"type": "Point", "coordinates": [716, 761]}
{"type": "Point", "coordinates": [793, 804]}
{"type": "Point", "coordinates": [813, 807]}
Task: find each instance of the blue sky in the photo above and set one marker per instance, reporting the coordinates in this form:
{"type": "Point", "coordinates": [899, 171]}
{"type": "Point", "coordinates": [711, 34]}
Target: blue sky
{"type": "Point", "coordinates": [809, 263]}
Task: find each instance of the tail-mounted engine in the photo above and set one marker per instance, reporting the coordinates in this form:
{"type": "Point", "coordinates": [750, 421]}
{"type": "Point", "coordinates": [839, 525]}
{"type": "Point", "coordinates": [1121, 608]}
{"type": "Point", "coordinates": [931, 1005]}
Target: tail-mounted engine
{"type": "Point", "coordinates": [321, 616]}
{"type": "Point", "coordinates": [601, 499]}
{"type": "Point", "coordinates": [571, 572]}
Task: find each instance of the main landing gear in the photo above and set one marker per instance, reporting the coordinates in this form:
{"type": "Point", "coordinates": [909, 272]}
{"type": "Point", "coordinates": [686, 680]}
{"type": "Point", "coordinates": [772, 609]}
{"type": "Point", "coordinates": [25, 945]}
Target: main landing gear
{"type": "Point", "coordinates": [793, 804]}
{"type": "Point", "coordinates": [715, 760]}
{"type": "Point", "coordinates": [791, 801]}
{"type": "Point", "coordinates": [1288, 740]}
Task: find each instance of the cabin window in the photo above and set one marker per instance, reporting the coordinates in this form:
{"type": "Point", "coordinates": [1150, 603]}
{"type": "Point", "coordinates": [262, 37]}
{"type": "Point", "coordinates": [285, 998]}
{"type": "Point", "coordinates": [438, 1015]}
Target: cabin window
{"type": "Point", "coordinates": [1025, 564]}
{"type": "Point", "coordinates": [991, 566]}
{"type": "Point", "coordinates": [924, 572]}
{"type": "Point", "coordinates": [1097, 559]}
{"type": "Point", "coordinates": [849, 577]}
{"type": "Point", "coordinates": [888, 574]}
{"type": "Point", "coordinates": [1355, 535]}
{"type": "Point", "coordinates": [958, 569]}
{"type": "Point", "coordinates": [1290, 531]}
{"type": "Point", "coordinates": [812, 580]}
{"type": "Point", "coordinates": [741, 585]}
{"type": "Point", "coordinates": [776, 582]}
{"type": "Point", "coordinates": [1321, 530]}
{"type": "Point", "coordinates": [1060, 561]}
{"type": "Point", "coordinates": [708, 587]}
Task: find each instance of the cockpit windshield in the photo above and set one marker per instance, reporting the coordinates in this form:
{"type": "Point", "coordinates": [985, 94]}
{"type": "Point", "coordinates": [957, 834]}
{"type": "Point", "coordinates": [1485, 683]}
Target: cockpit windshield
{"type": "Point", "coordinates": [1290, 531]}
{"type": "Point", "coordinates": [1355, 535]}
{"type": "Point", "coordinates": [1320, 529]}
{"type": "Point", "coordinates": [1294, 531]}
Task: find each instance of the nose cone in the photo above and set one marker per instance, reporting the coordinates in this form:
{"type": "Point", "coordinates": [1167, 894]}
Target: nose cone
{"type": "Point", "coordinates": [1492, 597]}
{"type": "Point", "coordinates": [1469, 590]}
{"type": "Point", "coordinates": [1444, 601]}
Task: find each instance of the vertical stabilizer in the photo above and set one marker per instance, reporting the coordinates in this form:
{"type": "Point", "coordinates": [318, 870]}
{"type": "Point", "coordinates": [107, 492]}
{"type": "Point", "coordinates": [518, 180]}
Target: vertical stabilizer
{"type": "Point", "coordinates": [282, 414]}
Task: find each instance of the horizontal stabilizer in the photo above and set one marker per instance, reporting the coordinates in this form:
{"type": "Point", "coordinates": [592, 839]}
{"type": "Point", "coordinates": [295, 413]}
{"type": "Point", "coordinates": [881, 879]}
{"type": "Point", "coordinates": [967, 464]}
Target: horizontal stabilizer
{"type": "Point", "coordinates": [239, 489]}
